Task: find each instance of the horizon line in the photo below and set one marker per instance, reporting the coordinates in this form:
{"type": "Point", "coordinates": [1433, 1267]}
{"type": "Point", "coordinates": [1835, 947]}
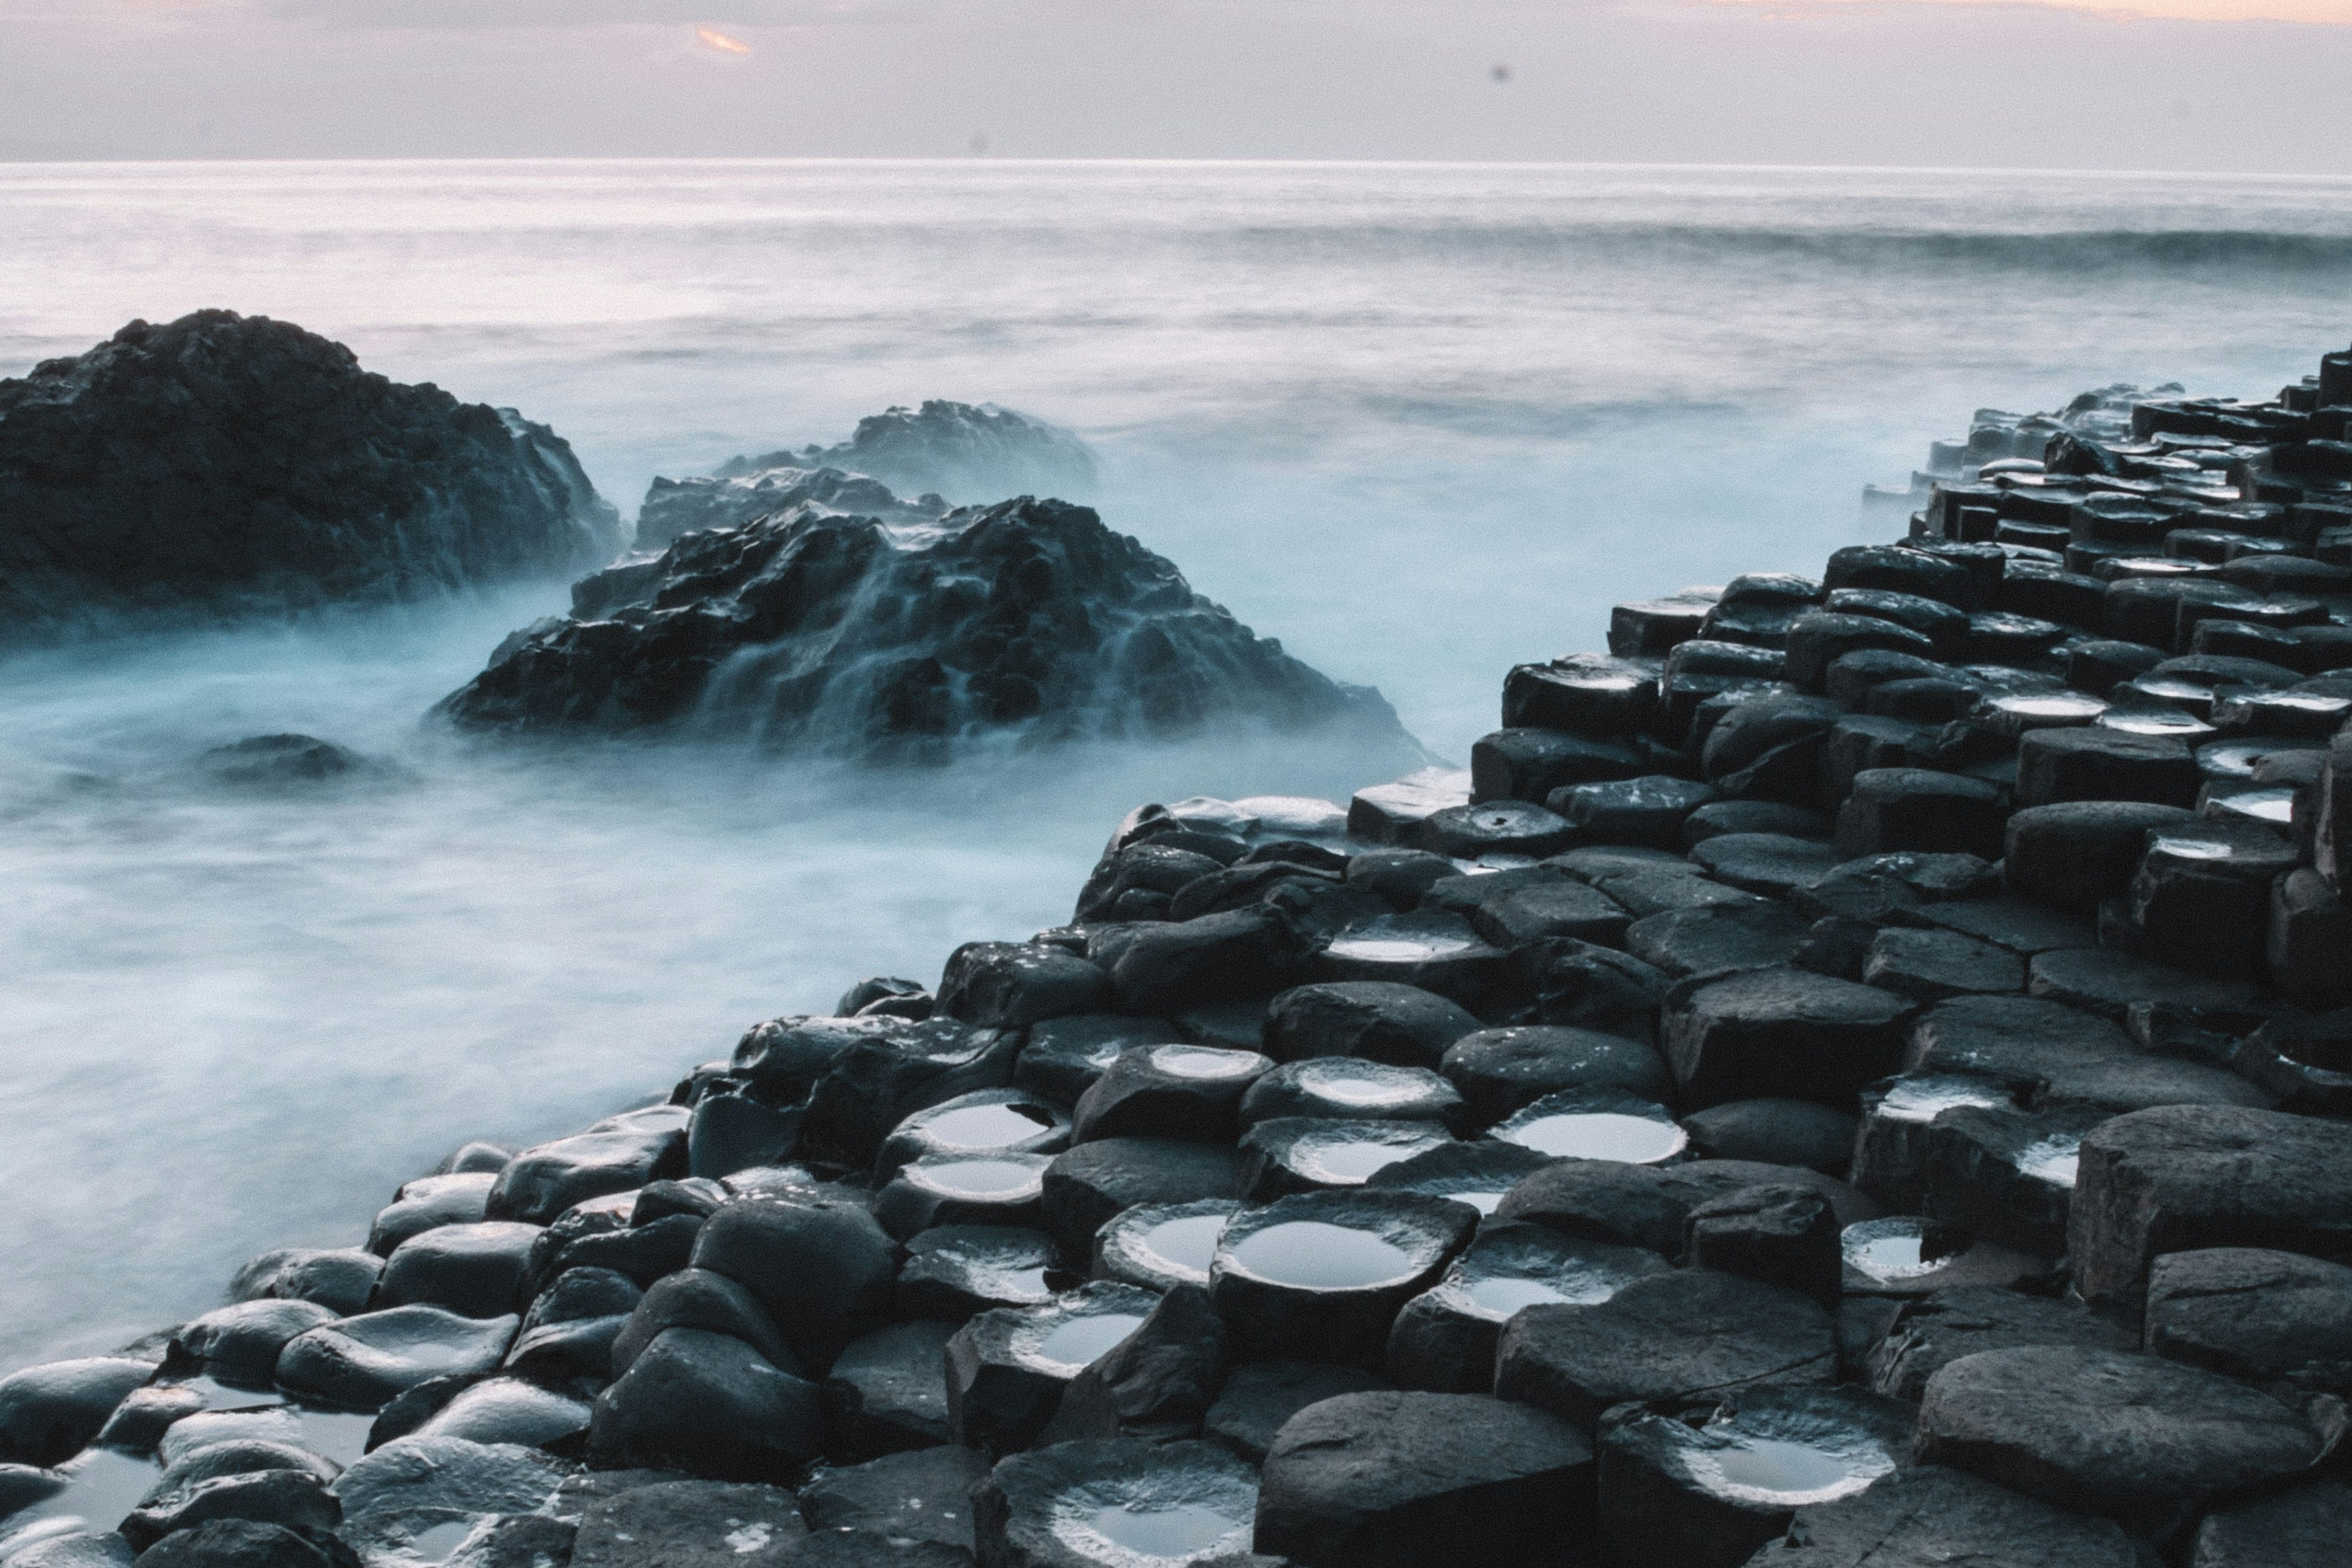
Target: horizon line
{"type": "Point", "coordinates": [1171, 160]}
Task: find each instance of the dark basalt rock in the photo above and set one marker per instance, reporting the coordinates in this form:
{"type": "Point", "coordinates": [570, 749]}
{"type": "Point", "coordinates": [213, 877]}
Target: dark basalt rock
{"type": "Point", "coordinates": [1500, 1071]}
{"type": "Point", "coordinates": [460, 1198]}
{"type": "Point", "coordinates": [710, 1405]}
{"type": "Point", "coordinates": [1322, 1274]}
{"type": "Point", "coordinates": [1475, 1175]}
{"type": "Point", "coordinates": [2178, 1177]}
{"type": "Point", "coordinates": [700, 1298]}
{"type": "Point", "coordinates": [2308, 1525]}
{"type": "Point", "coordinates": [407, 1494]}
{"type": "Point", "coordinates": [1007, 1370]}
{"type": "Point", "coordinates": [276, 763]}
{"type": "Point", "coordinates": [473, 1270]}
{"type": "Point", "coordinates": [1783, 1033]}
{"type": "Point", "coordinates": [691, 1524]}
{"type": "Point", "coordinates": [2265, 1317]}
{"type": "Point", "coordinates": [747, 489]}
{"type": "Point", "coordinates": [1443, 1339]}
{"type": "Point", "coordinates": [1379, 1021]}
{"type": "Point", "coordinates": [888, 1392]}
{"type": "Point", "coordinates": [1775, 1132]}
{"type": "Point", "coordinates": [224, 465]}
{"type": "Point", "coordinates": [1183, 1091]}
{"type": "Point", "coordinates": [972, 453]}
{"type": "Point", "coordinates": [1086, 1188]}
{"type": "Point", "coordinates": [509, 1410]}
{"type": "Point", "coordinates": [843, 635]}
{"type": "Point", "coordinates": [239, 1344]}
{"type": "Point", "coordinates": [1401, 1480]}
{"type": "Point", "coordinates": [51, 1412]}
{"type": "Point", "coordinates": [359, 1363]}
{"type": "Point", "coordinates": [1259, 1397]}
{"type": "Point", "coordinates": [824, 1271]}
{"type": "Point", "coordinates": [244, 1543]}
{"type": "Point", "coordinates": [1710, 1494]}
{"type": "Point", "coordinates": [2139, 1440]}
{"type": "Point", "coordinates": [1061, 1057]}
{"type": "Point", "coordinates": [1930, 1333]}
{"type": "Point", "coordinates": [1691, 1333]}
{"type": "Point", "coordinates": [956, 1270]}
{"type": "Point", "coordinates": [617, 1155]}
{"type": "Point", "coordinates": [1156, 1383]}
{"type": "Point", "coordinates": [920, 1496]}
{"type": "Point", "coordinates": [339, 1279]}
{"type": "Point", "coordinates": [1926, 1516]}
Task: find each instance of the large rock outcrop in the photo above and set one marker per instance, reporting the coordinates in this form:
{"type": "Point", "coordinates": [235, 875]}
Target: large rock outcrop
{"type": "Point", "coordinates": [841, 634]}
{"type": "Point", "coordinates": [225, 465]}
{"type": "Point", "coordinates": [951, 450]}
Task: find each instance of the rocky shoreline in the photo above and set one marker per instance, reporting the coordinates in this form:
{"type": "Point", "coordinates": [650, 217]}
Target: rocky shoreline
{"type": "Point", "coordinates": [1856, 1073]}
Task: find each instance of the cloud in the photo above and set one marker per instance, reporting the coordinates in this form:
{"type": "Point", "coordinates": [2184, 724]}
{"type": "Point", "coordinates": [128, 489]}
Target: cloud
{"type": "Point", "coordinates": [2322, 12]}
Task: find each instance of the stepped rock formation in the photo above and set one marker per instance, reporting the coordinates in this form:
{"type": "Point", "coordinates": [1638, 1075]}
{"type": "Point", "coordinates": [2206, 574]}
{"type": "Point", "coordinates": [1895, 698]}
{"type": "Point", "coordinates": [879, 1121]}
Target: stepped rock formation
{"type": "Point", "coordinates": [223, 465]}
{"type": "Point", "coordinates": [1859, 1074]}
{"type": "Point", "coordinates": [951, 450]}
{"type": "Point", "coordinates": [832, 634]}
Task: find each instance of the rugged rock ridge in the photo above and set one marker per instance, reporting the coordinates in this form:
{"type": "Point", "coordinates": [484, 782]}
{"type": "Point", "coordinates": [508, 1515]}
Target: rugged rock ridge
{"type": "Point", "coordinates": [1840, 1082]}
{"type": "Point", "coordinates": [972, 453]}
{"type": "Point", "coordinates": [676, 507]}
{"type": "Point", "coordinates": [839, 634]}
{"type": "Point", "coordinates": [945, 449]}
{"type": "Point", "coordinates": [227, 464]}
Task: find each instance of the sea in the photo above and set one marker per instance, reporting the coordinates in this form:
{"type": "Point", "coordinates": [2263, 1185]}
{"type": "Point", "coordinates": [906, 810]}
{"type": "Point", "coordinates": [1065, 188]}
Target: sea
{"type": "Point", "coordinates": [1419, 421]}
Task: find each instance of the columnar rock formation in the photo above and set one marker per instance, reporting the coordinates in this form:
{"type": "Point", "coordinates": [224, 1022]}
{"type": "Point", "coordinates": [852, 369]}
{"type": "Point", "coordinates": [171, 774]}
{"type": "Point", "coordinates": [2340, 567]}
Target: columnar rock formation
{"type": "Point", "coordinates": [223, 465]}
{"type": "Point", "coordinates": [827, 633]}
{"type": "Point", "coordinates": [1854, 1074]}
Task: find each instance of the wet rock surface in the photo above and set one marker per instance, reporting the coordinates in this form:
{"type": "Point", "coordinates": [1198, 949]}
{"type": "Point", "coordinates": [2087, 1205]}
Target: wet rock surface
{"type": "Point", "coordinates": [1824, 1087]}
{"type": "Point", "coordinates": [843, 635]}
{"type": "Point", "coordinates": [220, 465]}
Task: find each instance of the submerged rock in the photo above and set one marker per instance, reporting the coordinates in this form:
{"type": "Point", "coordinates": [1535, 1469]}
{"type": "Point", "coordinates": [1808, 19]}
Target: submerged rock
{"type": "Point", "coordinates": [844, 636]}
{"type": "Point", "coordinates": [225, 465]}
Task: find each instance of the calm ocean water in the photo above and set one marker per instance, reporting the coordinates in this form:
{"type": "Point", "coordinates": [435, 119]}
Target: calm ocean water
{"type": "Point", "coordinates": [1418, 421]}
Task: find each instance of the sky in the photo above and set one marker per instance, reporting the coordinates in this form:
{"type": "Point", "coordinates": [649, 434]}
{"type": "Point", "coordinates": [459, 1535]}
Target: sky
{"type": "Point", "coordinates": [2240, 86]}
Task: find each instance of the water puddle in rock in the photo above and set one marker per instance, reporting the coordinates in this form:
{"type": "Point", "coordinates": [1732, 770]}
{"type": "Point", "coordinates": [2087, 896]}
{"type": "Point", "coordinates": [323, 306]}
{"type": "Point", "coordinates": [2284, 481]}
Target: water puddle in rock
{"type": "Point", "coordinates": [1600, 1135]}
{"type": "Point", "coordinates": [1892, 1249]}
{"type": "Point", "coordinates": [106, 1484]}
{"type": "Point", "coordinates": [1204, 1062]}
{"type": "Point", "coordinates": [1080, 1341]}
{"type": "Point", "coordinates": [984, 1178]}
{"type": "Point", "coordinates": [1344, 1086]}
{"type": "Point", "coordinates": [1925, 1099]}
{"type": "Point", "coordinates": [2273, 805]}
{"type": "Point", "coordinates": [1188, 1244]}
{"type": "Point", "coordinates": [435, 1544]}
{"type": "Point", "coordinates": [1499, 1296]}
{"type": "Point", "coordinates": [988, 1126]}
{"type": "Point", "coordinates": [1484, 1202]}
{"type": "Point", "coordinates": [2151, 722]}
{"type": "Point", "coordinates": [1345, 1160]}
{"type": "Point", "coordinates": [1791, 1472]}
{"type": "Point", "coordinates": [2051, 1160]}
{"type": "Point", "coordinates": [1319, 1255]}
{"type": "Point", "coordinates": [1175, 1534]}
{"type": "Point", "coordinates": [2056, 707]}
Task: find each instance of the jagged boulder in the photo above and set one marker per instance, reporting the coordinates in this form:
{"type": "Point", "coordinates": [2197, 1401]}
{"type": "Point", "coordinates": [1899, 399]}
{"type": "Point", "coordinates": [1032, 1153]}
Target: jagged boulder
{"type": "Point", "coordinates": [676, 507]}
{"type": "Point", "coordinates": [842, 635]}
{"type": "Point", "coordinates": [964, 452]}
{"type": "Point", "coordinates": [226, 465]}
